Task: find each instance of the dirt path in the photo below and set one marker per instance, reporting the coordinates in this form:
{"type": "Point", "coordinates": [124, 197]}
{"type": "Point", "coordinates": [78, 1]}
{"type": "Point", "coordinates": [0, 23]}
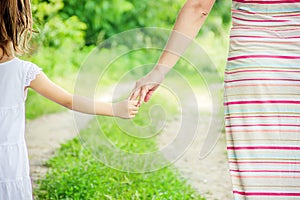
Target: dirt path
{"type": "Point", "coordinates": [44, 136]}
{"type": "Point", "coordinates": [208, 176]}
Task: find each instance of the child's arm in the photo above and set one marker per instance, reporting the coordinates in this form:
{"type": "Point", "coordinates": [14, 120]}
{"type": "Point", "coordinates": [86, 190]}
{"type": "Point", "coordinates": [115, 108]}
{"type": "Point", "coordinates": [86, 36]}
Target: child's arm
{"type": "Point", "coordinates": [44, 86]}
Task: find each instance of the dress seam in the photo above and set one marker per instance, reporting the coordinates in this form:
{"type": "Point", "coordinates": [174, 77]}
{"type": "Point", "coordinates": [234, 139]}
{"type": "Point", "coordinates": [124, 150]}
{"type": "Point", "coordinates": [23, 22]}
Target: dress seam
{"type": "Point", "coordinates": [14, 180]}
{"type": "Point", "coordinates": [12, 107]}
{"type": "Point", "coordinates": [13, 144]}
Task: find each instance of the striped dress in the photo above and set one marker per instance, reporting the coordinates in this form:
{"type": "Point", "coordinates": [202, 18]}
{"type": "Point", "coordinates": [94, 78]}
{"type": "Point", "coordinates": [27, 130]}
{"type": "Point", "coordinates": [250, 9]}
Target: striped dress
{"type": "Point", "coordinates": [262, 99]}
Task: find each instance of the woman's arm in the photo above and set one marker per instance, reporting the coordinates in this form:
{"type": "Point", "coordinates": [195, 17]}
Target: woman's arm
{"type": "Point", "coordinates": [189, 21]}
{"type": "Point", "coordinates": [44, 86]}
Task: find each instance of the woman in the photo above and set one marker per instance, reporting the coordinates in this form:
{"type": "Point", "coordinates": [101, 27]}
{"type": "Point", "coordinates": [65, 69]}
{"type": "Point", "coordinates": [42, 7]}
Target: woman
{"type": "Point", "coordinates": [261, 92]}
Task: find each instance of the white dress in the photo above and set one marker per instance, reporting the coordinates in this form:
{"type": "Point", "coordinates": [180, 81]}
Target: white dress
{"type": "Point", "coordinates": [15, 183]}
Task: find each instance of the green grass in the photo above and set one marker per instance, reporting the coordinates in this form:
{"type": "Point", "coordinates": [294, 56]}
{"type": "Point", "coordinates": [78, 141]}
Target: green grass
{"type": "Point", "coordinates": [77, 173]}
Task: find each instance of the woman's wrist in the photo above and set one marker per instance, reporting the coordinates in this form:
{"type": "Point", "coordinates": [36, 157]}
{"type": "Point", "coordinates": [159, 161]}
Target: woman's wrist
{"type": "Point", "coordinates": [162, 69]}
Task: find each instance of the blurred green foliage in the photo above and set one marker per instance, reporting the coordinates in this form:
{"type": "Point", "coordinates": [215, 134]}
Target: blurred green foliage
{"type": "Point", "coordinates": [104, 18]}
{"type": "Point", "coordinates": [69, 29]}
{"type": "Point", "coordinates": [54, 31]}
{"type": "Point", "coordinates": [219, 17]}
{"type": "Point", "coordinates": [101, 19]}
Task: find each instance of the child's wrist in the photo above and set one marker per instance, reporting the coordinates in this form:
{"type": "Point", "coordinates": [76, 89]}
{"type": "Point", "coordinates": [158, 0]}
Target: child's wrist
{"type": "Point", "coordinates": [106, 109]}
{"type": "Point", "coordinates": [113, 111]}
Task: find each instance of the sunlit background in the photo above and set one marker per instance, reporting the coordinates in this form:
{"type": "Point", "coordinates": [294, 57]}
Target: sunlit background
{"type": "Point", "coordinates": [68, 30]}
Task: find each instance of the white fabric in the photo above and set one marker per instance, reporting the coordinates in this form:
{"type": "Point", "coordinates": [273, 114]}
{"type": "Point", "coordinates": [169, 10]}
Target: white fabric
{"type": "Point", "coordinates": [15, 183]}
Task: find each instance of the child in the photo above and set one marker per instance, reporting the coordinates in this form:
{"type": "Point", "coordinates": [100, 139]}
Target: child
{"type": "Point", "coordinates": [16, 76]}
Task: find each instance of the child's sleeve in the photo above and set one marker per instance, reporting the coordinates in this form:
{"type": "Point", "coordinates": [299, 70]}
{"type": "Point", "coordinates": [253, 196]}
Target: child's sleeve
{"type": "Point", "coordinates": [31, 71]}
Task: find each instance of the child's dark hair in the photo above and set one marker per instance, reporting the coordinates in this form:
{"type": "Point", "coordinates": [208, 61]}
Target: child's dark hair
{"type": "Point", "coordinates": [15, 25]}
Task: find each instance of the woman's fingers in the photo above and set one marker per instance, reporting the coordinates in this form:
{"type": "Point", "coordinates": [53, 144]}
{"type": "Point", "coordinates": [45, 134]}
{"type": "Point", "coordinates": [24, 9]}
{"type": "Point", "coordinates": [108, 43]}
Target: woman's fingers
{"type": "Point", "coordinates": [143, 93]}
{"type": "Point", "coordinates": [134, 94]}
{"type": "Point", "coordinates": [139, 93]}
{"type": "Point", "coordinates": [148, 96]}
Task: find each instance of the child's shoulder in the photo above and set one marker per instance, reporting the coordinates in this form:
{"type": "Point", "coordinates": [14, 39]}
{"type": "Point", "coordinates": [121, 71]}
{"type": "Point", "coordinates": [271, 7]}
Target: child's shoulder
{"type": "Point", "coordinates": [24, 63]}
{"type": "Point", "coordinates": [16, 63]}
{"type": "Point", "coordinates": [21, 65]}
{"type": "Point", "coordinates": [30, 71]}
{"type": "Point", "coordinates": [20, 69]}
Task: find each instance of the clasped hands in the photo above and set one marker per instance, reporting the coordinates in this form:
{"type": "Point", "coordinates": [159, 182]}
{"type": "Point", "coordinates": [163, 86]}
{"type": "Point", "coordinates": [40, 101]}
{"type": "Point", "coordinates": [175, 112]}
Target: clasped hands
{"type": "Point", "coordinates": [144, 89]}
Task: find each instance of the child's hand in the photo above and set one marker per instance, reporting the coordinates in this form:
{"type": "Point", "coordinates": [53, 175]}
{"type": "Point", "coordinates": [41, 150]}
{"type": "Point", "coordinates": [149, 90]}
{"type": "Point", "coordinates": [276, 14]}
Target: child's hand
{"type": "Point", "coordinates": [125, 109]}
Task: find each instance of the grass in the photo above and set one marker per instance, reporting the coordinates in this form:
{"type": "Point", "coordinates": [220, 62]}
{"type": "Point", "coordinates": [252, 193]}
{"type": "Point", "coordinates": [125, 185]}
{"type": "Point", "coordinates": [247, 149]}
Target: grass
{"type": "Point", "coordinates": [76, 171]}
{"type": "Point", "coordinates": [76, 174]}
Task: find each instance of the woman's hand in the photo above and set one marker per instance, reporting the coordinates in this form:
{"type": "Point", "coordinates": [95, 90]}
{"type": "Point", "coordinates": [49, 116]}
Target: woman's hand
{"type": "Point", "coordinates": [188, 23]}
{"type": "Point", "coordinates": [145, 87]}
{"type": "Point", "coordinates": [125, 109]}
